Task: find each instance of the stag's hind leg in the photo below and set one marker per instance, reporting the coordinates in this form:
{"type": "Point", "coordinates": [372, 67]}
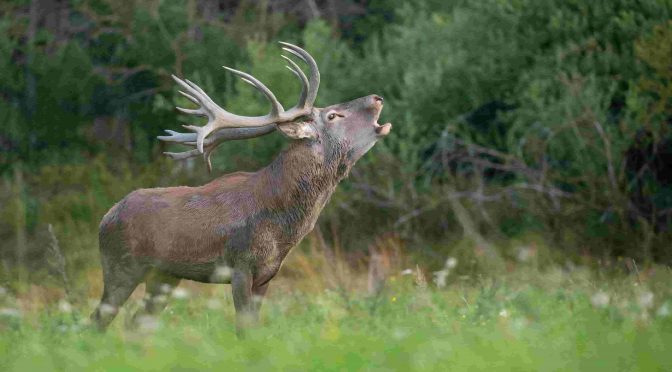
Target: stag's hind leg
{"type": "Point", "coordinates": [158, 287]}
{"type": "Point", "coordinates": [120, 280]}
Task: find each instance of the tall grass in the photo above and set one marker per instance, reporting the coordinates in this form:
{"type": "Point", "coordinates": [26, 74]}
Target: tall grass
{"type": "Point", "coordinates": [319, 315]}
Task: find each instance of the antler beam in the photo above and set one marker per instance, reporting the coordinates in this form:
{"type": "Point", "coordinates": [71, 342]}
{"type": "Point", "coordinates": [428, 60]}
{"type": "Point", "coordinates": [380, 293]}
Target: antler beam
{"type": "Point", "coordinates": [209, 145]}
{"type": "Point", "coordinates": [218, 118]}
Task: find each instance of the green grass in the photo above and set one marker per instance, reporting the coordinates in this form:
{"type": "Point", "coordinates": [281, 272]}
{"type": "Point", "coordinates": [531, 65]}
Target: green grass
{"type": "Point", "coordinates": [527, 320]}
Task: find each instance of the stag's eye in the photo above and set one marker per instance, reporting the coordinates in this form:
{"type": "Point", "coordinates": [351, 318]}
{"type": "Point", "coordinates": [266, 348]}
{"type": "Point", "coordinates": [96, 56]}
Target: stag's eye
{"type": "Point", "coordinates": [334, 115]}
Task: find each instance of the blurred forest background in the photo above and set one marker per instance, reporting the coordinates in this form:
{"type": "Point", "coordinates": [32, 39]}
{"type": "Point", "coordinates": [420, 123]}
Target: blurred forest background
{"type": "Point", "coordinates": [538, 122]}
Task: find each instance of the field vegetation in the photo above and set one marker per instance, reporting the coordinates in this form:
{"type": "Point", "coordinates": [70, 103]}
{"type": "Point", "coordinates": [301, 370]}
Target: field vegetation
{"type": "Point", "coordinates": [324, 313]}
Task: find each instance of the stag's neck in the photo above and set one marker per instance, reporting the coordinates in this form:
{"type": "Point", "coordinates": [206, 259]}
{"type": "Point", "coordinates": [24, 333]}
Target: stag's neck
{"type": "Point", "coordinates": [304, 176]}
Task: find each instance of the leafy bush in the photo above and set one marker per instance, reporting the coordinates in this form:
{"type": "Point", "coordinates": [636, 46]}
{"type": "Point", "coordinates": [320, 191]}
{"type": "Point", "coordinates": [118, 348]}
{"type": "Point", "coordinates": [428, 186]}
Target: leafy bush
{"type": "Point", "coordinates": [539, 117]}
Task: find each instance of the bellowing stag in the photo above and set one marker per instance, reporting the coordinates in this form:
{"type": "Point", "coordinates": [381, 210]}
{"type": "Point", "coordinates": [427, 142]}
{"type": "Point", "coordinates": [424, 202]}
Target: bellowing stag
{"type": "Point", "coordinates": [238, 228]}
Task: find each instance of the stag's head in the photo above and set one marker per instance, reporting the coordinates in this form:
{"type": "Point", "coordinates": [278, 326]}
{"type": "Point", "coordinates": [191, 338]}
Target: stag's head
{"type": "Point", "coordinates": [351, 128]}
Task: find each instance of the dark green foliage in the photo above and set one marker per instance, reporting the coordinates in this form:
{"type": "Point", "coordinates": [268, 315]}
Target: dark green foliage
{"type": "Point", "coordinates": [541, 116]}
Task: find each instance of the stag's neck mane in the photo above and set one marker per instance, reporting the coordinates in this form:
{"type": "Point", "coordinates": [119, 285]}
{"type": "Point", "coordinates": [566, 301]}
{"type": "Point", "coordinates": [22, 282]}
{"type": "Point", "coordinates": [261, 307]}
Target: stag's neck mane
{"type": "Point", "coordinates": [305, 174]}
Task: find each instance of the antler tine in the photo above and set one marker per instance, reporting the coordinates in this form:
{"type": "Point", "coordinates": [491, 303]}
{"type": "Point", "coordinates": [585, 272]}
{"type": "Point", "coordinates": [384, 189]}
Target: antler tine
{"type": "Point", "coordinates": [314, 80]}
{"type": "Point", "coordinates": [177, 137]}
{"type": "Point", "coordinates": [305, 85]}
{"type": "Point", "coordinates": [189, 97]}
{"type": "Point", "coordinates": [210, 144]}
{"type": "Point", "coordinates": [190, 154]}
{"type": "Point", "coordinates": [276, 107]}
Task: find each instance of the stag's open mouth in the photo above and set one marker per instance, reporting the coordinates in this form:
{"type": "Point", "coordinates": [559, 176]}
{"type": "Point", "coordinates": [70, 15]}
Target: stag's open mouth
{"type": "Point", "coordinates": [383, 130]}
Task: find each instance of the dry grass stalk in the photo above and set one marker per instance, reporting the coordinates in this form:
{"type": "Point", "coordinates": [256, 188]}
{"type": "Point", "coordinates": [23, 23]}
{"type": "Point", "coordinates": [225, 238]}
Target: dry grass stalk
{"type": "Point", "coordinates": [57, 260]}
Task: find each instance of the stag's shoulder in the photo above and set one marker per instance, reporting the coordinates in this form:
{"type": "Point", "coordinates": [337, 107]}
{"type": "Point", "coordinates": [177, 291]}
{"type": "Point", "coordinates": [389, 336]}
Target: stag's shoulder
{"type": "Point", "coordinates": [231, 180]}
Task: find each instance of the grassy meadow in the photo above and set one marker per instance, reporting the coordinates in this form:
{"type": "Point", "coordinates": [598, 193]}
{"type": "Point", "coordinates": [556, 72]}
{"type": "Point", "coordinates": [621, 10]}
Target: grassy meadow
{"type": "Point", "coordinates": [331, 314]}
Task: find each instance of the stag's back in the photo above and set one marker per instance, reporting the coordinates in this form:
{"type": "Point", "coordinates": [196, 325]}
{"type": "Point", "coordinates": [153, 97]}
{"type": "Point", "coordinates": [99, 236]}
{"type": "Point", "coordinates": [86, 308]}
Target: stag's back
{"type": "Point", "coordinates": [181, 224]}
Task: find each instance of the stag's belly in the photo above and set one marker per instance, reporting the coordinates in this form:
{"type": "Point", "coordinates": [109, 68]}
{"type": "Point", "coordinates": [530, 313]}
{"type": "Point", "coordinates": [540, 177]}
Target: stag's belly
{"type": "Point", "coordinates": [209, 272]}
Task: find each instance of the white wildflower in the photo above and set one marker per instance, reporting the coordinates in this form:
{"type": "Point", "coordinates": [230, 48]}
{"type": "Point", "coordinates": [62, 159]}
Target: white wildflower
{"type": "Point", "coordinates": [407, 272]}
{"type": "Point", "coordinates": [214, 304]}
{"type": "Point", "coordinates": [440, 278]}
{"type": "Point", "coordinates": [664, 310]}
{"type": "Point", "coordinates": [147, 323]}
{"type": "Point", "coordinates": [107, 309]}
{"type": "Point", "coordinates": [64, 306]}
{"type": "Point", "coordinates": [399, 333]}
{"type": "Point", "coordinates": [645, 300]}
{"type": "Point", "coordinates": [10, 312]}
{"type": "Point", "coordinates": [504, 313]}
{"type": "Point", "coordinates": [180, 293]}
{"type": "Point", "coordinates": [166, 288]}
{"type": "Point", "coordinates": [524, 254]}
{"type": "Point", "coordinates": [600, 299]}
{"type": "Point", "coordinates": [160, 299]}
{"type": "Point", "coordinates": [451, 263]}
{"type": "Point", "coordinates": [222, 274]}
{"type": "Point", "coordinates": [519, 324]}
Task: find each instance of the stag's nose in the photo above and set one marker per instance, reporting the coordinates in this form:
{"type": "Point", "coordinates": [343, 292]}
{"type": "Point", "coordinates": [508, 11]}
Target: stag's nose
{"type": "Point", "coordinates": [378, 99]}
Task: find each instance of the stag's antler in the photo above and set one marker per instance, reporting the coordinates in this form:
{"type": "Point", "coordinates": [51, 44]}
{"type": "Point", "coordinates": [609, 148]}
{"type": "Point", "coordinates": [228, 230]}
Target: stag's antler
{"type": "Point", "coordinates": [209, 145]}
{"type": "Point", "coordinates": [230, 126]}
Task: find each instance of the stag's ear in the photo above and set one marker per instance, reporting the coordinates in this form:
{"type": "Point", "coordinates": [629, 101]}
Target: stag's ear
{"type": "Point", "coordinates": [297, 129]}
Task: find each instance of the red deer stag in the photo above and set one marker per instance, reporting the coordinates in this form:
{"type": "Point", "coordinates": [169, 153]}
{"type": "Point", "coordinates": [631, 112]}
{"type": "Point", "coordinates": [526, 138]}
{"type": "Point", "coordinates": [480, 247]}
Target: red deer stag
{"type": "Point", "coordinates": [238, 228]}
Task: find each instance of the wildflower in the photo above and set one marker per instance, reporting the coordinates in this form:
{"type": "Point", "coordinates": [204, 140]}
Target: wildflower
{"type": "Point", "coordinates": [64, 306]}
{"type": "Point", "coordinates": [147, 323]}
{"type": "Point", "coordinates": [166, 288]}
{"type": "Point", "coordinates": [10, 312]}
{"type": "Point", "coordinates": [407, 272]}
{"type": "Point", "coordinates": [504, 313]}
{"type": "Point", "coordinates": [645, 300]}
{"type": "Point", "coordinates": [222, 274]}
{"type": "Point", "coordinates": [160, 299]}
{"type": "Point", "coordinates": [663, 311]}
{"type": "Point", "coordinates": [451, 263]}
{"type": "Point", "coordinates": [256, 299]}
{"type": "Point", "coordinates": [399, 333]}
{"type": "Point", "coordinates": [600, 299]}
{"type": "Point", "coordinates": [394, 299]}
{"type": "Point", "coordinates": [214, 304]}
{"type": "Point", "coordinates": [440, 278]}
{"type": "Point", "coordinates": [107, 309]}
{"type": "Point", "coordinates": [518, 324]}
{"type": "Point", "coordinates": [524, 254]}
{"type": "Point", "coordinates": [180, 293]}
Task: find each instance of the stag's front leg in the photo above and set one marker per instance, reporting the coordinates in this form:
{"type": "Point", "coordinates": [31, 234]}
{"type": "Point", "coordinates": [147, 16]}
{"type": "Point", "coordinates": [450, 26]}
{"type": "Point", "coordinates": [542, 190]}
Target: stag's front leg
{"type": "Point", "coordinates": [241, 287]}
{"type": "Point", "coordinates": [258, 293]}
